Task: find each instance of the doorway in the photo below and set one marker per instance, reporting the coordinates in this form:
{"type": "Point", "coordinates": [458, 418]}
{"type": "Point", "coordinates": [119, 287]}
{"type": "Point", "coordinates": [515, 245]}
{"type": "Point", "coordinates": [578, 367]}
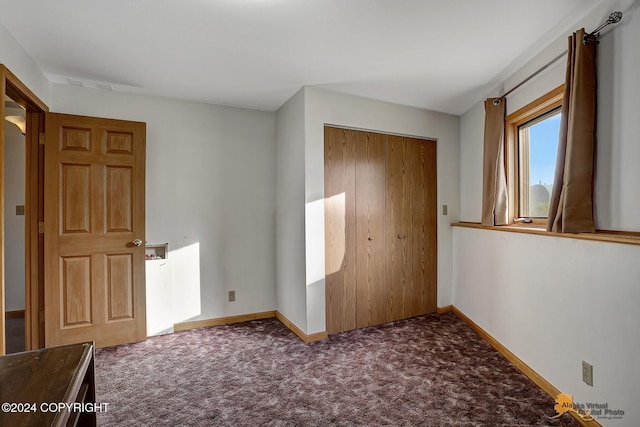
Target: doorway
{"type": "Point", "coordinates": [14, 231]}
{"type": "Point", "coordinates": [33, 251]}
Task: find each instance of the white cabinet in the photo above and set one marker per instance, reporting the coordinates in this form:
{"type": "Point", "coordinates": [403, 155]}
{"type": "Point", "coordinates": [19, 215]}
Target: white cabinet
{"type": "Point", "coordinates": [159, 295]}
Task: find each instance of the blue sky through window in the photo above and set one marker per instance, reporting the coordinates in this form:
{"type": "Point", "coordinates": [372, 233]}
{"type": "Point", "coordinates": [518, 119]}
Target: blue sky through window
{"type": "Point", "coordinates": [543, 147]}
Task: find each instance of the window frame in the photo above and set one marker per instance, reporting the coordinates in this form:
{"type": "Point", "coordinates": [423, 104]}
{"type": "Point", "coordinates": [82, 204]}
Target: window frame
{"type": "Point", "coordinates": [535, 109]}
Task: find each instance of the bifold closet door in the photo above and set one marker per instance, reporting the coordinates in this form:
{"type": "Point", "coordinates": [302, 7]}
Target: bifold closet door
{"type": "Point", "coordinates": [340, 229]}
{"type": "Point", "coordinates": [380, 228]}
{"type": "Point", "coordinates": [357, 294]}
{"type": "Point", "coordinates": [372, 292]}
{"type": "Point", "coordinates": [411, 226]}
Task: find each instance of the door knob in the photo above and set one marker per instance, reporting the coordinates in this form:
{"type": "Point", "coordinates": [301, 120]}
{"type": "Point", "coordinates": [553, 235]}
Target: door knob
{"type": "Point", "coordinates": [137, 242]}
{"type": "Point", "coordinates": [370, 238]}
{"type": "Point", "coordinates": [400, 236]}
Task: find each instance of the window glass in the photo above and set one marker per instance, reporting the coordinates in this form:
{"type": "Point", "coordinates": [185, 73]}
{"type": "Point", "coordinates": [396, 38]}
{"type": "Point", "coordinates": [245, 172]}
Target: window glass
{"type": "Point", "coordinates": [537, 149]}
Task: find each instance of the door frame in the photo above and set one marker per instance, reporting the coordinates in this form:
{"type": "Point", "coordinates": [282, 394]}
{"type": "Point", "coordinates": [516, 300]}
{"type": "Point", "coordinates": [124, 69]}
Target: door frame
{"type": "Point", "coordinates": [35, 108]}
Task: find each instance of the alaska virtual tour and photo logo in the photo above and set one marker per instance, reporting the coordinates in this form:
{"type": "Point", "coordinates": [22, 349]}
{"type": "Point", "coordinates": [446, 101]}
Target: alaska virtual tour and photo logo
{"type": "Point", "coordinates": [586, 411]}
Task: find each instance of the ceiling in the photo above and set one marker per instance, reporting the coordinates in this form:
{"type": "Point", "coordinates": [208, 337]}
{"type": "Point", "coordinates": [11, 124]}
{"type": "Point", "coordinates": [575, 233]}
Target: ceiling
{"type": "Point", "coordinates": [434, 54]}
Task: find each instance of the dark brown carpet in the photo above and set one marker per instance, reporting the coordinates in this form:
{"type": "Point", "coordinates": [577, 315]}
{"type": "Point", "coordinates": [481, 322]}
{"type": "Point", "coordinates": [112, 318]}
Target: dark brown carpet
{"type": "Point", "coordinates": [427, 371]}
{"type": "Point", "coordinates": [14, 334]}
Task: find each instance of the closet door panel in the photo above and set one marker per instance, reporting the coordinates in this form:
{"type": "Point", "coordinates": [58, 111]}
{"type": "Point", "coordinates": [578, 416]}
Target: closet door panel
{"type": "Point", "coordinates": [372, 290]}
{"type": "Point", "coordinates": [411, 218]}
{"type": "Point", "coordinates": [421, 289]}
{"type": "Point", "coordinates": [398, 201]}
{"type": "Point", "coordinates": [415, 303]}
{"type": "Point", "coordinates": [340, 229]}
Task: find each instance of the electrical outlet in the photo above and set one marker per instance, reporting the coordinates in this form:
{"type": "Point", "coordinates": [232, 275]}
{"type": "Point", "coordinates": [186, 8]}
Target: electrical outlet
{"type": "Point", "coordinates": [232, 296]}
{"type": "Point", "coordinates": [587, 373]}
{"type": "Point", "coordinates": [20, 210]}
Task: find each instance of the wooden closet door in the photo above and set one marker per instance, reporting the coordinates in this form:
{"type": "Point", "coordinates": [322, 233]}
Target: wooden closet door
{"type": "Point", "coordinates": [340, 229]}
{"type": "Point", "coordinates": [380, 228]}
{"type": "Point", "coordinates": [399, 251]}
{"type": "Point", "coordinates": [424, 228]}
{"type": "Point", "coordinates": [372, 292]}
{"type": "Point", "coordinates": [411, 226]}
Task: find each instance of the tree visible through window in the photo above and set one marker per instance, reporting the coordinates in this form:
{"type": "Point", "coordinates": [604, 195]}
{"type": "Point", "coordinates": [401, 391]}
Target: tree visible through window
{"type": "Point", "coordinates": [532, 144]}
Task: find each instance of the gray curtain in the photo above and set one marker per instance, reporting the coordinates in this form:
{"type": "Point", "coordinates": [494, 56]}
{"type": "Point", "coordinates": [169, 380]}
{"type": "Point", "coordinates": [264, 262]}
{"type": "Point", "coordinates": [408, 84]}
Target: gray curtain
{"type": "Point", "coordinates": [571, 206]}
{"type": "Point", "coordinates": [494, 183]}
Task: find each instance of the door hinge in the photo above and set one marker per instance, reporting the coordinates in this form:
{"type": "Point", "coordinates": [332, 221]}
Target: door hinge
{"type": "Point", "coordinates": [41, 316]}
{"type": "Point", "coordinates": [41, 139]}
{"type": "Point", "coordinates": [41, 227]}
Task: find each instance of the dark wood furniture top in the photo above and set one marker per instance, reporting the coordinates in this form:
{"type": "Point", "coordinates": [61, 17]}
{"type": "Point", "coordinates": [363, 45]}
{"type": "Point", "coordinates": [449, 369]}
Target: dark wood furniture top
{"type": "Point", "coordinates": [35, 385]}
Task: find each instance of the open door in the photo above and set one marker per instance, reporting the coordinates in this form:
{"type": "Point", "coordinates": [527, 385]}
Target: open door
{"type": "Point", "coordinates": [94, 224]}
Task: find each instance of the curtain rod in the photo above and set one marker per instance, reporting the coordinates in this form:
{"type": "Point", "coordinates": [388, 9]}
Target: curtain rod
{"type": "Point", "coordinates": [614, 18]}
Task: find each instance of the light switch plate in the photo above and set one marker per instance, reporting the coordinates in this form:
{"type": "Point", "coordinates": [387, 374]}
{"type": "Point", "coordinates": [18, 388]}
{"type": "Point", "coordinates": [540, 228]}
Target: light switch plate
{"type": "Point", "coordinates": [232, 296]}
{"type": "Point", "coordinates": [445, 209]}
{"type": "Point", "coordinates": [20, 210]}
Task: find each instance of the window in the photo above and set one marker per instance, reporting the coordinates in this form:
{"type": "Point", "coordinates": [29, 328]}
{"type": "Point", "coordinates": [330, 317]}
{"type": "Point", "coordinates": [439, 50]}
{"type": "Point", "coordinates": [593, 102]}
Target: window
{"type": "Point", "coordinates": [532, 145]}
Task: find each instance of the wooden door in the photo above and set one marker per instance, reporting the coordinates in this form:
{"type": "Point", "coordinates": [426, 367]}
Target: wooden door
{"type": "Point", "coordinates": [411, 226]}
{"type": "Point", "coordinates": [399, 211]}
{"type": "Point", "coordinates": [340, 230]}
{"type": "Point", "coordinates": [380, 228]}
{"type": "Point", "coordinates": [94, 211]}
{"type": "Point", "coordinates": [426, 228]}
{"type": "Point", "coordinates": [372, 292]}
{"type": "Point", "coordinates": [354, 229]}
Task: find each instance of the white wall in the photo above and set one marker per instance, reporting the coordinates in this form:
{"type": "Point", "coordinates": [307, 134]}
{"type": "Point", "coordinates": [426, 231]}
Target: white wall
{"type": "Point", "coordinates": [618, 142]}
{"type": "Point", "coordinates": [14, 176]}
{"type": "Point", "coordinates": [555, 302]}
{"type": "Point", "coordinates": [16, 59]}
{"type": "Point", "coordinates": [324, 107]}
{"type": "Point", "coordinates": [290, 213]}
{"type": "Point", "coordinates": [210, 194]}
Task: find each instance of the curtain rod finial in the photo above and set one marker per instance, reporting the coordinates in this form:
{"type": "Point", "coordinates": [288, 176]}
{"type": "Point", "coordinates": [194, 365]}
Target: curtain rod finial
{"type": "Point", "coordinates": [496, 101]}
{"type": "Point", "coordinates": [615, 17]}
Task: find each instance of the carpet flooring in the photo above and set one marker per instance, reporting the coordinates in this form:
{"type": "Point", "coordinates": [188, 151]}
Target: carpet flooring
{"type": "Point", "coordinates": [431, 370]}
{"type": "Point", "coordinates": [14, 334]}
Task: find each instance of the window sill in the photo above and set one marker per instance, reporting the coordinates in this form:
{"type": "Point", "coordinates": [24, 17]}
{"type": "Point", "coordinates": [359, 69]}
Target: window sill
{"type": "Point", "coordinates": [622, 237]}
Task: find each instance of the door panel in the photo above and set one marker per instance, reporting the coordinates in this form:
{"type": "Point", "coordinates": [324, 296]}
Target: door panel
{"type": "Point", "coordinates": [94, 209]}
{"type": "Point", "coordinates": [75, 139]}
{"type": "Point", "coordinates": [76, 279]}
{"type": "Point", "coordinates": [417, 232]}
{"type": "Point", "coordinates": [340, 250]}
{"type": "Point", "coordinates": [411, 210]}
{"type": "Point", "coordinates": [75, 189]}
{"type": "Point", "coordinates": [398, 218]}
{"type": "Point", "coordinates": [119, 199]}
{"type": "Point", "coordinates": [372, 290]}
{"type": "Point", "coordinates": [120, 286]}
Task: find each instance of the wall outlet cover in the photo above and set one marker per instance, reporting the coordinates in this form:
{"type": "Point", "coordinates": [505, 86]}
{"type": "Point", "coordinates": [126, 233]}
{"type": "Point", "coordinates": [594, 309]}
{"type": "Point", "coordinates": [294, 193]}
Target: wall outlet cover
{"type": "Point", "coordinates": [587, 373]}
{"type": "Point", "coordinates": [232, 296]}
